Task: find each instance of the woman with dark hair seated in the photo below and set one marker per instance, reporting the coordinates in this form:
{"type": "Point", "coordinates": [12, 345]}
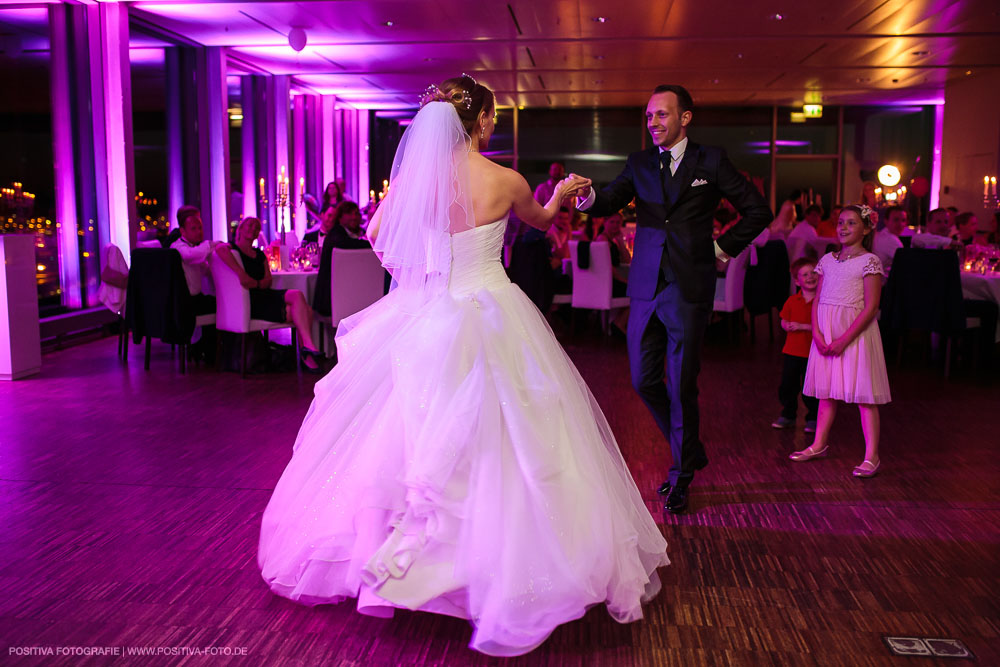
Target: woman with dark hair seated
{"type": "Point", "coordinates": [265, 303]}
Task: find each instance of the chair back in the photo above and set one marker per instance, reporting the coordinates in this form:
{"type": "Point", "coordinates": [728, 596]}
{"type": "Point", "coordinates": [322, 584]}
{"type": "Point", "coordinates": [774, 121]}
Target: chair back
{"type": "Point", "coordinates": [924, 291]}
{"type": "Point", "coordinates": [158, 302]}
{"type": "Point", "coordinates": [232, 300]}
{"type": "Point", "coordinates": [766, 284]}
{"type": "Point", "coordinates": [592, 286]}
{"type": "Point", "coordinates": [729, 289]}
{"type": "Point", "coordinates": [357, 280]}
{"type": "Point", "coordinates": [113, 263]}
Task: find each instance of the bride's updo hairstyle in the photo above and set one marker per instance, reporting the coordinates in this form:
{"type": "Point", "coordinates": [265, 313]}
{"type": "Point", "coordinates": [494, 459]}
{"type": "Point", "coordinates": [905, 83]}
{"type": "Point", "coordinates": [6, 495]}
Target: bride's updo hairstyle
{"type": "Point", "coordinates": [468, 97]}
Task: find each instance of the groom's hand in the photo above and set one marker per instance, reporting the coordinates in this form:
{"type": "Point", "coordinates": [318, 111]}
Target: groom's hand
{"type": "Point", "coordinates": [584, 191]}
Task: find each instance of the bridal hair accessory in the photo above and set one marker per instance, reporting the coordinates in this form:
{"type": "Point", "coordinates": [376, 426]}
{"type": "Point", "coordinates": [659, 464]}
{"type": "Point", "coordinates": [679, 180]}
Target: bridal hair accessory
{"type": "Point", "coordinates": [471, 78]}
{"type": "Point", "coordinates": [866, 211]}
{"type": "Point", "coordinates": [434, 94]}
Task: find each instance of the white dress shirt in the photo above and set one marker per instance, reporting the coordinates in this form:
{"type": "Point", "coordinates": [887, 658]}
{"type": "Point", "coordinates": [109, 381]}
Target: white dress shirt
{"type": "Point", "coordinates": [195, 261]}
{"type": "Point", "coordinates": [676, 155]}
{"type": "Point", "coordinates": [932, 241]}
{"type": "Point", "coordinates": [885, 244]}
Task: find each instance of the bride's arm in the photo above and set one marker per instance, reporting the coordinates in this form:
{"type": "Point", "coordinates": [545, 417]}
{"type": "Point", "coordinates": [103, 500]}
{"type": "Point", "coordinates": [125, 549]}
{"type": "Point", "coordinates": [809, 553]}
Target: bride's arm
{"type": "Point", "coordinates": [530, 211]}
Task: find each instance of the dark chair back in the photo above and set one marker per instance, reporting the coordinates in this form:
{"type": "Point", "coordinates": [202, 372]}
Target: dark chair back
{"type": "Point", "coordinates": [924, 291]}
{"type": "Point", "coordinates": [158, 303]}
{"type": "Point", "coordinates": [767, 283]}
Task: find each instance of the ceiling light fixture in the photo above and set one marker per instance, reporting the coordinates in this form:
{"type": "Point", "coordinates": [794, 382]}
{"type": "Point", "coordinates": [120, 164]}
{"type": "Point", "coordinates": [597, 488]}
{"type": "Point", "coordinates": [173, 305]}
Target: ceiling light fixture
{"type": "Point", "coordinates": [388, 24]}
{"type": "Point", "coordinates": [888, 175]}
{"type": "Point", "coordinates": [600, 19]}
{"type": "Point", "coordinates": [777, 17]}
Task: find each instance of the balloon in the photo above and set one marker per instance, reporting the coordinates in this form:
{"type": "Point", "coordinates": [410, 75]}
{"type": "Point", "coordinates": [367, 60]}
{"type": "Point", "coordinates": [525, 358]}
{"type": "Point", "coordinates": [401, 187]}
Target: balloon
{"type": "Point", "coordinates": [297, 39]}
{"type": "Point", "coordinates": [919, 187]}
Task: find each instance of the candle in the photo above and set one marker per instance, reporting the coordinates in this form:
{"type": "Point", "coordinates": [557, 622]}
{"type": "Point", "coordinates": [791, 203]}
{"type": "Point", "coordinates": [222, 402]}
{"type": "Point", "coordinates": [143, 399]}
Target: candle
{"type": "Point", "coordinates": [262, 188]}
{"type": "Point", "coordinates": [993, 185]}
{"type": "Point", "coordinates": [371, 195]}
{"type": "Point", "coordinates": [302, 186]}
{"type": "Point", "coordinates": [385, 185]}
{"type": "Point", "coordinates": [986, 185]}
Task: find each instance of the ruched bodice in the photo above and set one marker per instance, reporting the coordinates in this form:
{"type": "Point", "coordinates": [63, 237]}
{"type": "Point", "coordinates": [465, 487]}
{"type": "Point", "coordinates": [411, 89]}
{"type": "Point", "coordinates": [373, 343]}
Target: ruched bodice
{"type": "Point", "coordinates": [475, 258]}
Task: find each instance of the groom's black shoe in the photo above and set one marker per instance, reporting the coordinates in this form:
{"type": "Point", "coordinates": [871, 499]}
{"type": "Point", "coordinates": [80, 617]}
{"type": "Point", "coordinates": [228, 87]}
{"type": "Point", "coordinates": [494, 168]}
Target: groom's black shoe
{"type": "Point", "coordinates": [664, 489]}
{"type": "Point", "coordinates": [676, 501]}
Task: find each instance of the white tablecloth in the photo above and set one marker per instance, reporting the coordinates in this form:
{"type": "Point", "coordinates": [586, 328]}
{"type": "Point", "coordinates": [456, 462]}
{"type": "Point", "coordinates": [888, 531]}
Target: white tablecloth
{"type": "Point", "coordinates": [304, 281]}
{"type": "Point", "coordinates": [983, 288]}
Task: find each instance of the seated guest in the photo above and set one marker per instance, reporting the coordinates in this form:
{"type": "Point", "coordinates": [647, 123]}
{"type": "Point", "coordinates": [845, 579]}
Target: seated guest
{"type": "Point", "coordinates": [265, 303]}
{"type": "Point", "coordinates": [558, 236]}
{"type": "Point", "coordinates": [827, 229]}
{"type": "Point", "coordinates": [807, 228]}
{"type": "Point", "coordinates": [345, 234]}
{"type": "Point", "coordinates": [784, 220]}
{"type": "Point", "coordinates": [333, 195]}
{"type": "Point", "coordinates": [326, 224]}
{"type": "Point", "coordinates": [966, 224]}
{"type": "Point", "coordinates": [886, 241]}
{"type": "Point", "coordinates": [937, 235]}
{"type": "Point", "coordinates": [194, 250]}
{"type": "Point", "coordinates": [612, 235]}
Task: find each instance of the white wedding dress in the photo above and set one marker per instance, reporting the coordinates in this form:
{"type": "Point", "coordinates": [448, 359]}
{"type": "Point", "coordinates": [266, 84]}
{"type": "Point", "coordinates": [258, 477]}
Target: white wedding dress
{"type": "Point", "coordinates": [454, 461]}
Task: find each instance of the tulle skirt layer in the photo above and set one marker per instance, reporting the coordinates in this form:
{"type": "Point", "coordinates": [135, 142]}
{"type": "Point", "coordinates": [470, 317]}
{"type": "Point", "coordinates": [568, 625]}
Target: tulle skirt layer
{"type": "Point", "coordinates": [856, 376]}
{"type": "Point", "coordinates": [455, 462]}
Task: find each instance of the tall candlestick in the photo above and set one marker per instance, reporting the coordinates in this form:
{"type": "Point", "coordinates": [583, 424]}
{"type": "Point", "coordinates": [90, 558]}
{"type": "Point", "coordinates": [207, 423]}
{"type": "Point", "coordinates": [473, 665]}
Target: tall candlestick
{"type": "Point", "coordinates": [993, 185]}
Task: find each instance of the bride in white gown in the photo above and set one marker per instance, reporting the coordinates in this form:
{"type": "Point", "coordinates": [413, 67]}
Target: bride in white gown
{"type": "Point", "coordinates": [454, 461]}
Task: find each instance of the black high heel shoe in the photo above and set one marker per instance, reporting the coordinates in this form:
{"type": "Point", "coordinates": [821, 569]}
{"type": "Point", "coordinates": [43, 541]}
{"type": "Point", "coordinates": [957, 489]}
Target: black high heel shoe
{"type": "Point", "coordinates": [315, 356]}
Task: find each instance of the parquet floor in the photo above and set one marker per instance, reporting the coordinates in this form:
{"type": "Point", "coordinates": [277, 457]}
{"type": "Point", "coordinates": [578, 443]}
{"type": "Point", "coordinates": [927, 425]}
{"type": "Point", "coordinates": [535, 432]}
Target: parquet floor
{"type": "Point", "coordinates": [130, 503]}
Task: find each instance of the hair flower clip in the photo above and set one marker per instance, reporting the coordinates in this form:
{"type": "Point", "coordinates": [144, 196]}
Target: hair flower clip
{"type": "Point", "coordinates": [866, 211]}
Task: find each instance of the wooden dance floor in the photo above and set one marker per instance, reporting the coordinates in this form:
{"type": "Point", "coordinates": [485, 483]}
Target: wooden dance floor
{"type": "Point", "coordinates": [131, 504]}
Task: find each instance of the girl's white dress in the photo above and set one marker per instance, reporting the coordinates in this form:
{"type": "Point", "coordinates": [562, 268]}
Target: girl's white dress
{"type": "Point", "coordinates": [454, 461]}
{"type": "Point", "coordinates": [858, 375]}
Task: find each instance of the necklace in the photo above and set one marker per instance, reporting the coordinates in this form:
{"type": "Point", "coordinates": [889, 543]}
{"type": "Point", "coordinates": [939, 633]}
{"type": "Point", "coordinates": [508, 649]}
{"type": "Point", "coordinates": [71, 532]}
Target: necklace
{"type": "Point", "coordinates": [841, 258]}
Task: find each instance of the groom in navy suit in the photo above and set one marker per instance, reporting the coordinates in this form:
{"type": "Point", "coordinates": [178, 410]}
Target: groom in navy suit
{"type": "Point", "coordinates": [677, 185]}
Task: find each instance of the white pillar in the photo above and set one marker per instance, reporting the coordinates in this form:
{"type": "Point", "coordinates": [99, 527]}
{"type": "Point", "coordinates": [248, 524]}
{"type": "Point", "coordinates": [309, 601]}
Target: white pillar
{"type": "Point", "coordinates": [111, 95]}
{"type": "Point", "coordinates": [64, 166]}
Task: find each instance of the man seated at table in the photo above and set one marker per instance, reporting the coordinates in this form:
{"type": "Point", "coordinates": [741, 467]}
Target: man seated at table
{"type": "Point", "coordinates": [827, 229]}
{"type": "Point", "coordinates": [194, 250]}
{"type": "Point", "coordinates": [611, 233]}
{"type": "Point", "coordinates": [345, 234]}
{"type": "Point", "coordinates": [886, 241]}
{"type": "Point", "coordinates": [326, 223]}
{"type": "Point", "coordinates": [937, 236]}
{"type": "Point", "coordinates": [966, 223]}
{"type": "Point", "coordinates": [806, 229]}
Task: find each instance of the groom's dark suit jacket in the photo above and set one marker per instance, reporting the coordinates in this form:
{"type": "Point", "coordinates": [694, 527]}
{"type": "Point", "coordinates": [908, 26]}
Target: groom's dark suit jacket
{"type": "Point", "coordinates": [674, 217]}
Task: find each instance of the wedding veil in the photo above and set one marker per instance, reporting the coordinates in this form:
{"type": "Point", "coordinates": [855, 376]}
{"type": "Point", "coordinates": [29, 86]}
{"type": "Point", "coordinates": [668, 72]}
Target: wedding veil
{"type": "Point", "coordinates": [428, 200]}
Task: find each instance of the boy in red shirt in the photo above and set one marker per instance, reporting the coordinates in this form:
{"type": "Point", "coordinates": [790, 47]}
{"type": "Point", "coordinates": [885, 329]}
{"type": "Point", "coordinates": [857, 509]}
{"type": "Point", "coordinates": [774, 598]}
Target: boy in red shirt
{"type": "Point", "coordinates": [796, 319]}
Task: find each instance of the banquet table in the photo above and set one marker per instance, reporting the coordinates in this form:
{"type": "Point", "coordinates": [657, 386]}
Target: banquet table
{"type": "Point", "coordinates": [984, 287]}
{"type": "Point", "coordinates": [304, 281]}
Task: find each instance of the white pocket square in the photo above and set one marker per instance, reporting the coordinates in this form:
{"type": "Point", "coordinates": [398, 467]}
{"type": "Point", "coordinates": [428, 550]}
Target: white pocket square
{"type": "Point", "coordinates": [699, 181]}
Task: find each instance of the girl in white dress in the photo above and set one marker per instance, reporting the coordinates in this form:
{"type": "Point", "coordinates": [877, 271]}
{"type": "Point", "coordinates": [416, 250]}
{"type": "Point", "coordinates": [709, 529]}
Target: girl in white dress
{"type": "Point", "coordinates": [846, 362]}
{"type": "Point", "coordinates": [454, 461]}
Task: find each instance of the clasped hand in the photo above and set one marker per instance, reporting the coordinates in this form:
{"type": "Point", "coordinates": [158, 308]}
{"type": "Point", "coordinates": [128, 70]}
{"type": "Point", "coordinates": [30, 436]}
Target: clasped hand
{"type": "Point", "coordinates": [575, 186]}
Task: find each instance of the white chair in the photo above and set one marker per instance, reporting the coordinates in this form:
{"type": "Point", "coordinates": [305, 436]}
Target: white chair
{"type": "Point", "coordinates": [151, 243]}
{"type": "Point", "coordinates": [592, 286]}
{"type": "Point", "coordinates": [232, 307]}
{"type": "Point", "coordinates": [114, 282]}
{"type": "Point", "coordinates": [729, 289]}
{"type": "Point", "coordinates": [357, 280]}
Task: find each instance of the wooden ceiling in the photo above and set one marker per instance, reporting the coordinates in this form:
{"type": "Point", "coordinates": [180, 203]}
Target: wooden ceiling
{"type": "Point", "coordinates": [605, 53]}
